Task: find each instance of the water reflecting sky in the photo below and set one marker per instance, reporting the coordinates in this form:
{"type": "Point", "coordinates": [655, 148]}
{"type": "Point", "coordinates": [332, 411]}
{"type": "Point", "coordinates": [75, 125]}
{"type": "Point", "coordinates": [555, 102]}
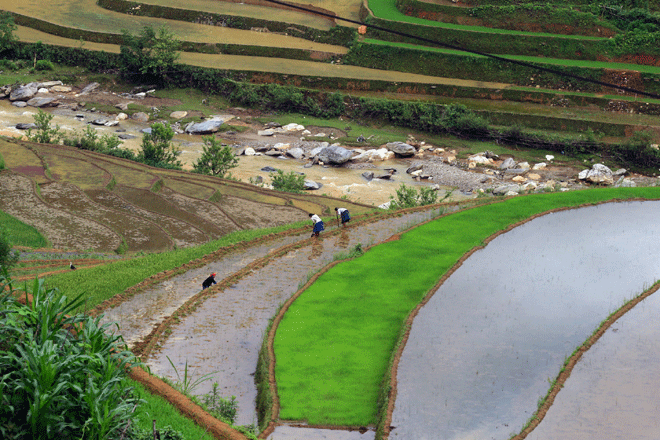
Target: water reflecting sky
{"type": "Point", "coordinates": [481, 352]}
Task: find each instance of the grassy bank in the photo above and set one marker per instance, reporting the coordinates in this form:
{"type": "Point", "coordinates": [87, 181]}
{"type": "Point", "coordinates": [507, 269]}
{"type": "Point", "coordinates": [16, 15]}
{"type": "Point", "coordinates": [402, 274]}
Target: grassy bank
{"type": "Point", "coordinates": [20, 233]}
{"type": "Point", "coordinates": [334, 346]}
{"type": "Point", "coordinates": [103, 282]}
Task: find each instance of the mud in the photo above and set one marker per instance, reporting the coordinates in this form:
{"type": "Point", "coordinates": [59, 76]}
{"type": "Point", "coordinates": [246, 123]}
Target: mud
{"type": "Point", "coordinates": [137, 316]}
{"type": "Point", "coordinates": [612, 391]}
{"type": "Point", "coordinates": [480, 353]}
{"type": "Point", "coordinates": [224, 335]}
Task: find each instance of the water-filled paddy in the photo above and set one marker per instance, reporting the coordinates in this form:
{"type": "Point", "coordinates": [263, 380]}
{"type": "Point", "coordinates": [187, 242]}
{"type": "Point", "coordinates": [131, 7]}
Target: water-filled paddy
{"type": "Point", "coordinates": [481, 352]}
{"type": "Point", "coordinates": [224, 335]}
{"type": "Point", "coordinates": [613, 391]}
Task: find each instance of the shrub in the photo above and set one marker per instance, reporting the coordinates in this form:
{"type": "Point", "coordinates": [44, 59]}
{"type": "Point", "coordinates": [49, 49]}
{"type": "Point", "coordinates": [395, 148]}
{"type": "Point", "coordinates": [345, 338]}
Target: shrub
{"type": "Point", "coordinates": [8, 65]}
{"type": "Point", "coordinates": [89, 139]}
{"type": "Point", "coordinates": [216, 159]}
{"type": "Point", "coordinates": [45, 134]}
{"type": "Point", "coordinates": [408, 197]}
{"type": "Point", "coordinates": [2, 163]}
{"type": "Point", "coordinates": [157, 148]}
{"type": "Point", "coordinates": [290, 182]}
{"type": "Point", "coordinates": [44, 65]}
{"type": "Point", "coordinates": [7, 28]}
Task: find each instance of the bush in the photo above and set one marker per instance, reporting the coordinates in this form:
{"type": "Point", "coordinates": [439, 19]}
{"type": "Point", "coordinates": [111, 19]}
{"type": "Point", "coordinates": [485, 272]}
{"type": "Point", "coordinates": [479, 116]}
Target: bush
{"type": "Point", "coordinates": [157, 148]}
{"type": "Point", "coordinates": [89, 139]}
{"type": "Point", "coordinates": [290, 182]}
{"type": "Point", "coordinates": [9, 65]}
{"type": "Point", "coordinates": [149, 55]}
{"type": "Point", "coordinates": [42, 65]}
{"type": "Point", "coordinates": [45, 134]}
{"type": "Point", "coordinates": [408, 197]}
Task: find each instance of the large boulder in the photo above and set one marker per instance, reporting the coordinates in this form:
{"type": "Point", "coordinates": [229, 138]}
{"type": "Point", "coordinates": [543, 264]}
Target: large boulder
{"type": "Point", "coordinates": [89, 88]}
{"type": "Point", "coordinates": [23, 93]}
{"type": "Point", "coordinates": [598, 174]}
{"type": "Point", "coordinates": [311, 185]}
{"type": "Point", "coordinates": [296, 153]}
{"type": "Point", "coordinates": [506, 189]}
{"type": "Point", "coordinates": [508, 163]}
{"type": "Point", "coordinates": [206, 127]}
{"type": "Point", "coordinates": [42, 102]}
{"type": "Point", "coordinates": [335, 154]}
{"type": "Point", "coordinates": [401, 149]}
{"type": "Point", "coordinates": [374, 155]}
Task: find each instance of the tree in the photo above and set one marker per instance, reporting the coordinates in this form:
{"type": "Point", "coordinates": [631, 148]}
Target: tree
{"type": "Point", "coordinates": [291, 182]}
{"type": "Point", "coordinates": [8, 257]}
{"type": "Point", "coordinates": [7, 28]}
{"type": "Point", "coordinates": [150, 54]}
{"type": "Point", "coordinates": [216, 159]}
{"type": "Point", "coordinates": [157, 148]}
{"type": "Point", "coordinates": [45, 133]}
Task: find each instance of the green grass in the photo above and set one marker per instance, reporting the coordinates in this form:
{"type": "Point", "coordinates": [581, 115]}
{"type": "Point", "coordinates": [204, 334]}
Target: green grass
{"type": "Point", "coordinates": [334, 345]}
{"type": "Point", "coordinates": [103, 282]}
{"type": "Point", "coordinates": [386, 9]}
{"type": "Point", "coordinates": [158, 409]}
{"type": "Point", "coordinates": [529, 59]}
{"type": "Point", "coordinates": [22, 234]}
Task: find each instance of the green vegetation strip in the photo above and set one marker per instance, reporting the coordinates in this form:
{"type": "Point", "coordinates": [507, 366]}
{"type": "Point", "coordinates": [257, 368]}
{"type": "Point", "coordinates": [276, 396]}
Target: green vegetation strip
{"type": "Point", "coordinates": [334, 346]}
{"type": "Point", "coordinates": [386, 9]}
{"type": "Point", "coordinates": [165, 414]}
{"type": "Point", "coordinates": [529, 59]}
{"type": "Point", "coordinates": [20, 233]}
{"type": "Point", "coordinates": [101, 283]}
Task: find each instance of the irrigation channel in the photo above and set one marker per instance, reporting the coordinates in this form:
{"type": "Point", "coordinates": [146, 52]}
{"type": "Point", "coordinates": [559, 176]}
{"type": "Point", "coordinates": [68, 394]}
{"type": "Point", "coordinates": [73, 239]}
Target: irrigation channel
{"type": "Point", "coordinates": [487, 345]}
{"type": "Point", "coordinates": [223, 336]}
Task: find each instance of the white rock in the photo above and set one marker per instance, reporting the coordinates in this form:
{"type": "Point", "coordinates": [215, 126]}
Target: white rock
{"type": "Point", "coordinates": [523, 165]}
{"type": "Point", "coordinates": [549, 157]}
{"type": "Point", "coordinates": [510, 193]}
{"type": "Point", "coordinates": [385, 205]}
{"type": "Point", "coordinates": [249, 151]}
{"type": "Point", "coordinates": [306, 132]}
{"type": "Point", "coordinates": [293, 127]}
{"type": "Point", "coordinates": [281, 146]}
{"type": "Point", "coordinates": [268, 132]}
{"type": "Point", "coordinates": [479, 158]}
{"type": "Point", "coordinates": [121, 117]}
{"type": "Point", "coordinates": [320, 135]}
{"type": "Point", "coordinates": [519, 179]}
{"type": "Point", "coordinates": [42, 90]}
{"type": "Point", "coordinates": [539, 166]}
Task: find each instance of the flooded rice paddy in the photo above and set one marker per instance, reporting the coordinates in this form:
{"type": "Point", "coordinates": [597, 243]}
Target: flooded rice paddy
{"type": "Point", "coordinates": [613, 391]}
{"type": "Point", "coordinates": [285, 432]}
{"type": "Point", "coordinates": [224, 335]}
{"type": "Point", "coordinates": [483, 350]}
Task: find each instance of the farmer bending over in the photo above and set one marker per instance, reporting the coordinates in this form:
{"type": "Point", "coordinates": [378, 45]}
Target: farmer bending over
{"type": "Point", "coordinates": [318, 225]}
{"type": "Point", "coordinates": [345, 216]}
{"type": "Point", "coordinates": [207, 282]}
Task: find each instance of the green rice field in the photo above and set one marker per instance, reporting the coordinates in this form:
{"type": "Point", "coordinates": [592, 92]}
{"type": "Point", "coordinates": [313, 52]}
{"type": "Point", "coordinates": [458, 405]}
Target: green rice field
{"type": "Point", "coordinates": [334, 344]}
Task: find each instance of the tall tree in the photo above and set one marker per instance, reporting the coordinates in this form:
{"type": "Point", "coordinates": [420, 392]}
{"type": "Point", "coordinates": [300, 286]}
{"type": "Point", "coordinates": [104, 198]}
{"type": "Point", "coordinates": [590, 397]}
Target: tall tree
{"type": "Point", "coordinates": [150, 54]}
{"type": "Point", "coordinates": [157, 148]}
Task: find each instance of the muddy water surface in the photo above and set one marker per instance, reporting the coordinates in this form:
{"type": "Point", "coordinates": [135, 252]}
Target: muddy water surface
{"type": "Point", "coordinates": [613, 390]}
{"type": "Point", "coordinates": [292, 433]}
{"type": "Point", "coordinates": [224, 335]}
{"type": "Point", "coordinates": [137, 316]}
{"type": "Point", "coordinates": [481, 352]}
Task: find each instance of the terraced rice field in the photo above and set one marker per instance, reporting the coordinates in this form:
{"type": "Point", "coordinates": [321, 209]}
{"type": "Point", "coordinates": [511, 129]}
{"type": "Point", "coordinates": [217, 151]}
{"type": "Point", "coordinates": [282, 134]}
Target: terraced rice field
{"type": "Point", "coordinates": [81, 200]}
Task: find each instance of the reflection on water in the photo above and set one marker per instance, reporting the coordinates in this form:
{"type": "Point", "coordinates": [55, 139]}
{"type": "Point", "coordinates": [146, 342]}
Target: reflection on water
{"type": "Point", "coordinates": [612, 392]}
{"type": "Point", "coordinates": [482, 350]}
{"type": "Point", "coordinates": [296, 433]}
{"type": "Point", "coordinates": [224, 335]}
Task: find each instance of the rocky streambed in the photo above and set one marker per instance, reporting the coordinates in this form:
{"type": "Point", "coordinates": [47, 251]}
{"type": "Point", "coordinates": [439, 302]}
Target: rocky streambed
{"type": "Point", "coordinates": [368, 175]}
